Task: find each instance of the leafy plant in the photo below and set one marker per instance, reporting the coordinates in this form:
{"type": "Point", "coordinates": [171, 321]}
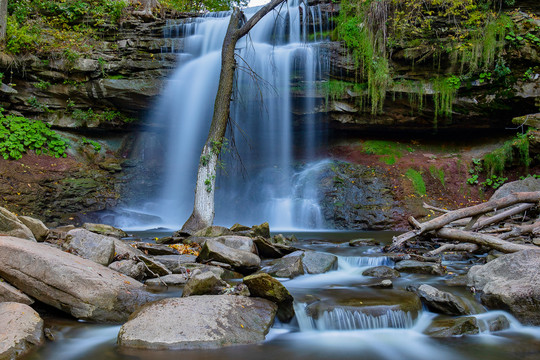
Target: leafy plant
{"type": "Point", "coordinates": [43, 85]}
{"type": "Point", "coordinates": [19, 135]}
{"type": "Point", "coordinates": [494, 181]}
{"type": "Point", "coordinates": [417, 181]}
{"type": "Point", "coordinates": [437, 174]}
{"type": "Point", "coordinates": [95, 144]}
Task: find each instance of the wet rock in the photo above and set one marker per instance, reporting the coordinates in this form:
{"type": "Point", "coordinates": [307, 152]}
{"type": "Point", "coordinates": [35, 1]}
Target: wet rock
{"type": "Point", "coordinates": [446, 327]}
{"type": "Point", "coordinates": [459, 280]}
{"type": "Point", "coordinates": [9, 293]}
{"type": "Point", "coordinates": [317, 262]}
{"type": "Point", "coordinates": [266, 287]}
{"type": "Point", "coordinates": [440, 301]}
{"type": "Point", "coordinates": [21, 329]}
{"type": "Point", "coordinates": [384, 284]}
{"type": "Point", "coordinates": [10, 225]}
{"type": "Point", "coordinates": [169, 240]}
{"type": "Point", "coordinates": [511, 283]}
{"type": "Point", "coordinates": [124, 250]}
{"type": "Point", "coordinates": [103, 229]}
{"type": "Point", "coordinates": [242, 261]}
{"type": "Point", "coordinates": [198, 322]}
{"type": "Point", "coordinates": [382, 271]}
{"type": "Point", "coordinates": [237, 290]}
{"type": "Point", "coordinates": [498, 324]}
{"type": "Point", "coordinates": [168, 280]}
{"type": "Point", "coordinates": [266, 249]}
{"type": "Point", "coordinates": [363, 242]}
{"type": "Point", "coordinates": [153, 268]}
{"type": "Point", "coordinates": [261, 230]}
{"type": "Point", "coordinates": [91, 246]}
{"type": "Point", "coordinates": [289, 266]}
{"type": "Point", "coordinates": [173, 262]}
{"type": "Point", "coordinates": [204, 283]}
{"type": "Point", "coordinates": [243, 243]}
{"type": "Point", "coordinates": [156, 249]}
{"type": "Point", "coordinates": [37, 227]}
{"type": "Point", "coordinates": [237, 227]}
{"type": "Point", "coordinates": [213, 231]}
{"type": "Point", "coordinates": [129, 268]}
{"type": "Point", "coordinates": [75, 285]}
{"type": "Point", "coordinates": [419, 267]}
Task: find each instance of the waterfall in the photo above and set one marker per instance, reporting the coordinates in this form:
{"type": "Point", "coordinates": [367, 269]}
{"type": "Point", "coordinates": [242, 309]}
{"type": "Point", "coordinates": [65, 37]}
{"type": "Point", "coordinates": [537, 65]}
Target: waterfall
{"type": "Point", "coordinates": [276, 63]}
{"type": "Point", "coordinates": [345, 262]}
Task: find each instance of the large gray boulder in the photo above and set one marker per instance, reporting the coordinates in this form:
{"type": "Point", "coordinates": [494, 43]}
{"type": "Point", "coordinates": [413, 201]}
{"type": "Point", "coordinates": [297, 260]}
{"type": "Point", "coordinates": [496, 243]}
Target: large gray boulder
{"type": "Point", "coordinates": [383, 272]}
{"type": "Point", "coordinates": [129, 268]}
{"type": "Point", "coordinates": [526, 185]}
{"type": "Point", "coordinates": [289, 266]}
{"type": "Point", "coordinates": [446, 327]}
{"type": "Point", "coordinates": [70, 283]}
{"type": "Point", "coordinates": [21, 329]}
{"type": "Point", "coordinates": [242, 261]}
{"type": "Point", "coordinates": [318, 262]}
{"type": "Point", "coordinates": [440, 301]}
{"type": "Point", "coordinates": [510, 282]}
{"type": "Point", "coordinates": [106, 230]}
{"type": "Point", "coordinates": [10, 225]}
{"type": "Point", "coordinates": [91, 246]}
{"type": "Point", "coordinates": [168, 280]}
{"type": "Point", "coordinates": [213, 231]}
{"type": "Point", "coordinates": [37, 227]}
{"type": "Point", "coordinates": [175, 262]}
{"type": "Point", "coordinates": [198, 322]}
{"type": "Point", "coordinates": [243, 243]}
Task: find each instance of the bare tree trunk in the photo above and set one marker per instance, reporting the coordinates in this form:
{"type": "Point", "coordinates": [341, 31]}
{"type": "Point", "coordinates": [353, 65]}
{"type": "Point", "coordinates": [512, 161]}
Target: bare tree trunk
{"type": "Point", "coordinates": [3, 19]}
{"type": "Point", "coordinates": [203, 209]}
{"type": "Point", "coordinates": [483, 239]}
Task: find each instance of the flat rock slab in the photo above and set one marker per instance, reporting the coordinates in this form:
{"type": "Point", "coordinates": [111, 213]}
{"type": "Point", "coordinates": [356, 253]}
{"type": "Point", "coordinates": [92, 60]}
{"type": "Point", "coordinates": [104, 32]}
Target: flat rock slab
{"type": "Point", "coordinates": [242, 261]}
{"type": "Point", "coordinates": [21, 329]}
{"type": "Point", "coordinates": [198, 322]}
{"type": "Point", "coordinates": [419, 267]}
{"type": "Point", "coordinates": [70, 283]}
{"type": "Point", "coordinates": [9, 293]}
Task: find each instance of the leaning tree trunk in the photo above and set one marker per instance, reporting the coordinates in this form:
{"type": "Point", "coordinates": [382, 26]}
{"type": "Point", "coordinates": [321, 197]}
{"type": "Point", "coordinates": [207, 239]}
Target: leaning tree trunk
{"type": "Point", "coordinates": [3, 19]}
{"type": "Point", "coordinates": [203, 209]}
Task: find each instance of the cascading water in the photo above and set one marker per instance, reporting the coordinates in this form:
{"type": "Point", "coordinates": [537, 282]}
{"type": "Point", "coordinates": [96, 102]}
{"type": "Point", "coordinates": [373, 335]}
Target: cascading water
{"type": "Point", "coordinates": [275, 62]}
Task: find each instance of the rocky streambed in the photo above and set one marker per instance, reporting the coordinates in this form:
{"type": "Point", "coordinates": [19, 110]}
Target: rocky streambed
{"type": "Point", "coordinates": [311, 295]}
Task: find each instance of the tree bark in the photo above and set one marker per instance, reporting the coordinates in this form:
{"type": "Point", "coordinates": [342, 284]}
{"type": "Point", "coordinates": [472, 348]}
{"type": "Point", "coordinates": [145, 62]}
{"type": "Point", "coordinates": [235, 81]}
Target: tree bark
{"type": "Point", "coordinates": [482, 239]}
{"type": "Point", "coordinates": [453, 247]}
{"type": "Point", "coordinates": [439, 222]}
{"type": "Point", "coordinates": [3, 19]}
{"type": "Point", "coordinates": [203, 209]}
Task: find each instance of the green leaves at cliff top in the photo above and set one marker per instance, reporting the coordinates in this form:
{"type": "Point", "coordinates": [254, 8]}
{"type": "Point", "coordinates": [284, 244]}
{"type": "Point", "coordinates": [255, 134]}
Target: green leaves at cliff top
{"type": "Point", "coordinates": [19, 135]}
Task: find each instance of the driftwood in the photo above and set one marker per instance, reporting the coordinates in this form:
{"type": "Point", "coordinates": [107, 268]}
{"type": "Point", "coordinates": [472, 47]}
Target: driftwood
{"type": "Point", "coordinates": [483, 240]}
{"type": "Point", "coordinates": [474, 212]}
{"type": "Point", "coordinates": [453, 247]}
{"type": "Point", "coordinates": [521, 230]}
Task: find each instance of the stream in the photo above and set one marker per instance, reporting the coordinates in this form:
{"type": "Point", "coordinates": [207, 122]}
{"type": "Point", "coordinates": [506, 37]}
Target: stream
{"type": "Point", "coordinates": [339, 333]}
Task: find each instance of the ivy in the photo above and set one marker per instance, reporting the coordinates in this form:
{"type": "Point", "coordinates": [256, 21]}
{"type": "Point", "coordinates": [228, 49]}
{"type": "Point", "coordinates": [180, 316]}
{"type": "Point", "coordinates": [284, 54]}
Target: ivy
{"type": "Point", "coordinates": [19, 135]}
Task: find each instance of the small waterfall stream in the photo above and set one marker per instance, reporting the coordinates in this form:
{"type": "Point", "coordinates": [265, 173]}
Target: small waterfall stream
{"type": "Point", "coordinates": [269, 156]}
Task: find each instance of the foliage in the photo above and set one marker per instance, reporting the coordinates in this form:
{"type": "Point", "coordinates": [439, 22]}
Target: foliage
{"type": "Point", "coordinates": [417, 181]}
{"type": "Point", "coordinates": [95, 144]}
{"type": "Point", "coordinates": [19, 135]}
{"type": "Point", "coordinates": [494, 182]}
{"type": "Point", "coordinates": [445, 91]}
{"type": "Point", "coordinates": [496, 161]}
{"type": "Point", "coordinates": [20, 38]}
{"type": "Point", "coordinates": [437, 174]}
{"type": "Point", "coordinates": [203, 5]}
{"type": "Point", "coordinates": [388, 150]}
{"type": "Point", "coordinates": [104, 116]}
{"type": "Point", "coordinates": [42, 85]}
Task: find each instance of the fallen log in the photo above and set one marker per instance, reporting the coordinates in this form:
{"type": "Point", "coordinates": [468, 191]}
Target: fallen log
{"type": "Point", "coordinates": [521, 230]}
{"type": "Point", "coordinates": [501, 216]}
{"type": "Point", "coordinates": [453, 247]}
{"type": "Point", "coordinates": [490, 241]}
{"type": "Point", "coordinates": [472, 211]}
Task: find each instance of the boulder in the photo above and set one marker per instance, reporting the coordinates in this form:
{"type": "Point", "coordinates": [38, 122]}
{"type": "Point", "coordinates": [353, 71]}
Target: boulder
{"type": "Point", "coordinates": [124, 250]}
{"type": "Point", "coordinates": [153, 268]}
{"type": "Point", "coordinates": [106, 230]}
{"type": "Point", "coordinates": [446, 327]}
{"type": "Point", "coordinates": [237, 227]}
{"type": "Point", "coordinates": [91, 246]}
{"type": "Point", "coordinates": [363, 242]}
{"type": "Point", "coordinates": [174, 262]}
{"type": "Point", "coordinates": [75, 285]}
{"type": "Point", "coordinates": [511, 283]}
{"type": "Point", "coordinates": [9, 293]}
{"type": "Point", "coordinates": [440, 301]}
{"type": "Point", "coordinates": [384, 272]}
{"type": "Point", "coordinates": [10, 225]}
{"type": "Point", "coordinates": [242, 261]}
{"type": "Point", "coordinates": [198, 322]}
{"type": "Point", "coordinates": [37, 227]}
{"type": "Point", "coordinates": [261, 230]}
{"type": "Point", "coordinates": [266, 249]}
{"type": "Point", "coordinates": [129, 268]}
{"type": "Point", "coordinates": [266, 287]}
{"type": "Point", "coordinates": [21, 329]}
{"type": "Point", "coordinates": [318, 262]}
{"type": "Point", "coordinates": [419, 267]}
{"type": "Point", "coordinates": [204, 283]}
{"type": "Point", "coordinates": [156, 249]}
{"type": "Point", "coordinates": [289, 266]}
{"type": "Point", "coordinates": [526, 185]}
{"type": "Point", "coordinates": [168, 280]}
{"type": "Point", "coordinates": [243, 243]}
{"type": "Point", "coordinates": [213, 231]}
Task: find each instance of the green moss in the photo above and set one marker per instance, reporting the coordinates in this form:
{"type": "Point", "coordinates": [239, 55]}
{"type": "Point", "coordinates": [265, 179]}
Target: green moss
{"type": "Point", "coordinates": [515, 149]}
{"type": "Point", "coordinates": [437, 174]}
{"type": "Point", "coordinates": [388, 150]}
{"type": "Point", "coordinates": [445, 91]}
{"type": "Point", "coordinates": [417, 181]}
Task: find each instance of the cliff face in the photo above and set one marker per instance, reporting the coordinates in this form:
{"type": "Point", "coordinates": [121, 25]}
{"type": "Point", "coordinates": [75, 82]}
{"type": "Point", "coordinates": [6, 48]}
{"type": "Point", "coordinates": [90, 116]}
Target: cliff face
{"type": "Point", "coordinates": [99, 102]}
